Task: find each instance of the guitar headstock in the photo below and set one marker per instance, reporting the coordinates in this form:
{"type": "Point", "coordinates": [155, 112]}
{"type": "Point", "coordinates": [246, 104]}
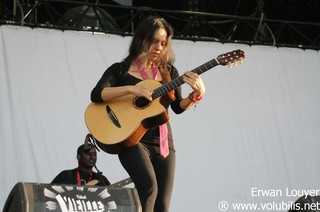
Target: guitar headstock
{"type": "Point", "coordinates": [229, 58]}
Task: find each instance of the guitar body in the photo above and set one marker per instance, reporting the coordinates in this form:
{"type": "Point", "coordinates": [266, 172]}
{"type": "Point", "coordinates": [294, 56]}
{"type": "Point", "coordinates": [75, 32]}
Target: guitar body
{"type": "Point", "coordinates": [121, 123]}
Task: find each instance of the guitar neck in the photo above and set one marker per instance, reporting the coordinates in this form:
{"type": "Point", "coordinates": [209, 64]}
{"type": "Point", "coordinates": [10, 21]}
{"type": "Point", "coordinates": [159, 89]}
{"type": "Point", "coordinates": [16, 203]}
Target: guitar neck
{"type": "Point", "coordinates": [121, 183]}
{"type": "Point", "coordinates": [165, 88]}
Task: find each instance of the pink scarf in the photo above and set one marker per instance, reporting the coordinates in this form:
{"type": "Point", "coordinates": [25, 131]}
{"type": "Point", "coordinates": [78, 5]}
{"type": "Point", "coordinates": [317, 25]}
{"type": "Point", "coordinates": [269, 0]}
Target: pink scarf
{"type": "Point", "coordinates": [164, 147]}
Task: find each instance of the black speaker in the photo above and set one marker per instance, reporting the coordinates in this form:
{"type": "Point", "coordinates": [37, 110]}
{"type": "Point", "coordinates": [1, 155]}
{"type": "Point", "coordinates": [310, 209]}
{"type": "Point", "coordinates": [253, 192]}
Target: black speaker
{"type": "Point", "coordinates": [30, 197]}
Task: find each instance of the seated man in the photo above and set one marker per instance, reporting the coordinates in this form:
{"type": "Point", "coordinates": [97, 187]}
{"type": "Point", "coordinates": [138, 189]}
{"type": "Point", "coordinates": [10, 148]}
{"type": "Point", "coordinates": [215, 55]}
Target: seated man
{"type": "Point", "coordinates": [83, 174]}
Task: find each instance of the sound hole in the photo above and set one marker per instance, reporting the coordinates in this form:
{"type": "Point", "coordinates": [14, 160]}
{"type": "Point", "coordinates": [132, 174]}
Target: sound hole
{"type": "Point", "coordinates": [141, 102]}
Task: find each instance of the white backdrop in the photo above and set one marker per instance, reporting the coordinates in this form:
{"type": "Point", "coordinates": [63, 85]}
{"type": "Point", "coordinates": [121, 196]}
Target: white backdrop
{"type": "Point", "coordinates": [257, 128]}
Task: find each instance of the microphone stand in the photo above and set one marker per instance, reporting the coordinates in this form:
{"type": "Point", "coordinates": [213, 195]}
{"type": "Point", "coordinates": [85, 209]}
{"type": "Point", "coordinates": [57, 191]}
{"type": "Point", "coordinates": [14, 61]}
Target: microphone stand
{"type": "Point", "coordinates": [99, 175]}
{"type": "Point", "coordinates": [89, 140]}
{"type": "Point", "coordinates": [99, 172]}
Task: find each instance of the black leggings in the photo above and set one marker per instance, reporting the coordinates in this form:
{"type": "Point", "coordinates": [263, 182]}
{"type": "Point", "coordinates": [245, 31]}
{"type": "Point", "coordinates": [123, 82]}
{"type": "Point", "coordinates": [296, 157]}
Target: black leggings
{"type": "Point", "coordinates": [152, 175]}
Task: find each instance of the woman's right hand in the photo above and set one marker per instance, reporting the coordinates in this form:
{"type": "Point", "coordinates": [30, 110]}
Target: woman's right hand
{"type": "Point", "coordinates": [142, 90]}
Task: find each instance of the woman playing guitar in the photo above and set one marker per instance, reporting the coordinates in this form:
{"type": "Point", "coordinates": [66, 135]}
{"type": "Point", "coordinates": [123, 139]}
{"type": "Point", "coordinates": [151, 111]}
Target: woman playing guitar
{"type": "Point", "coordinates": [150, 161]}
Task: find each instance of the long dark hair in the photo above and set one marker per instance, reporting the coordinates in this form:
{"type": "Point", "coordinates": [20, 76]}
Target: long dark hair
{"type": "Point", "coordinates": [143, 38]}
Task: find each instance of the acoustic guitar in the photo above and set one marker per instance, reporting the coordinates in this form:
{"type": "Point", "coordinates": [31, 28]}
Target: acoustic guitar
{"type": "Point", "coordinates": [121, 123]}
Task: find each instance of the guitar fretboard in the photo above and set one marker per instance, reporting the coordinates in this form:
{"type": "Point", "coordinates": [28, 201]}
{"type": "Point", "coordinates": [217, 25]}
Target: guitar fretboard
{"type": "Point", "coordinates": [121, 183]}
{"type": "Point", "coordinates": [165, 88]}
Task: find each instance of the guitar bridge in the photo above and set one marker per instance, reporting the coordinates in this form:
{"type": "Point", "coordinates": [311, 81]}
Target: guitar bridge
{"type": "Point", "coordinates": [113, 116]}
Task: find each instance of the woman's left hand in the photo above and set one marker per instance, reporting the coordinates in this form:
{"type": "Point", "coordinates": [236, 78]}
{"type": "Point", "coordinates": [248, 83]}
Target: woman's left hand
{"type": "Point", "coordinates": [195, 82]}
